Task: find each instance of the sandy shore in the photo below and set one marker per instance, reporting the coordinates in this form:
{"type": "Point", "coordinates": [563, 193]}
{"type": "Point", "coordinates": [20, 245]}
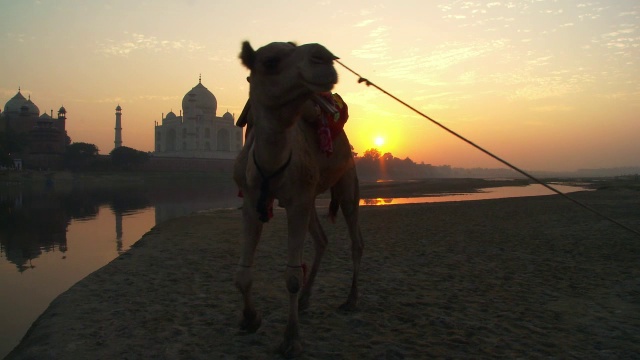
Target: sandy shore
{"type": "Point", "coordinates": [512, 278]}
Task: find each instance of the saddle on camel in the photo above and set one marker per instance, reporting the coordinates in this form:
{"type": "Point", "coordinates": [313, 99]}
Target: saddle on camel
{"type": "Point", "coordinates": [295, 149]}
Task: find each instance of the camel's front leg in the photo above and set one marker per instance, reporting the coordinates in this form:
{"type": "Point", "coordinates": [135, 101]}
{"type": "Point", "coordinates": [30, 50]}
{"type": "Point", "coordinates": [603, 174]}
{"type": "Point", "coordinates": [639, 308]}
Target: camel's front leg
{"type": "Point", "coordinates": [298, 224]}
{"type": "Point", "coordinates": [252, 228]}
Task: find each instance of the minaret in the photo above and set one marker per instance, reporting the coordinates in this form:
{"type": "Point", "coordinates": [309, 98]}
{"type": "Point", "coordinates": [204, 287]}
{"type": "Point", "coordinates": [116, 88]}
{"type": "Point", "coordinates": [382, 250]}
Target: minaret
{"type": "Point", "coordinates": [118, 141]}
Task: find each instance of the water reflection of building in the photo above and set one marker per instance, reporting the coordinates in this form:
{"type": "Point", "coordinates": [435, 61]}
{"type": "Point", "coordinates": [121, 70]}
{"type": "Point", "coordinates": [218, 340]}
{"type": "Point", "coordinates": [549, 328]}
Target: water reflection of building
{"type": "Point", "coordinates": [31, 225]}
{"type": "Point", "coordinates": [118, 215]}
{"type": "Point", "coordinates": [180, 197]}
{"type": "Point", "coordinates": [35, 222]}
{"type": "Point", "coordinates": [198, 132]}
{"type": "Point", "coordinates": [45, 135]}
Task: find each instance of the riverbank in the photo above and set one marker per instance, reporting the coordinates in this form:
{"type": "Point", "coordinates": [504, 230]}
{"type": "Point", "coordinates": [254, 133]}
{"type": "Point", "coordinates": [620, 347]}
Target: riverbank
{"type": "Point", "coordinates": [519, 277]}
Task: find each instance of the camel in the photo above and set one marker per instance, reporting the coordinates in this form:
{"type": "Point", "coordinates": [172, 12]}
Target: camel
{"type": "Point", "coordinates": [281, 160]}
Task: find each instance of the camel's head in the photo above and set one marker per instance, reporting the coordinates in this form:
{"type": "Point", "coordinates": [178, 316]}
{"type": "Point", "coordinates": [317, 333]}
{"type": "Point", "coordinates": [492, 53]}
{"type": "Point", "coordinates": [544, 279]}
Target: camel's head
{"type": "Point", "coordinates": [282, 72]}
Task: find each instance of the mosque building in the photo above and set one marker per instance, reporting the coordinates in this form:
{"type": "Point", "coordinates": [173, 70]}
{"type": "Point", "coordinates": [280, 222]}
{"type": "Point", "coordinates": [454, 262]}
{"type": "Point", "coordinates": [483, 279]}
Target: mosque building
{"type": "Point", "coordinates": [45, 136]}
{"type": "Point", "coordinates": [198, 132]}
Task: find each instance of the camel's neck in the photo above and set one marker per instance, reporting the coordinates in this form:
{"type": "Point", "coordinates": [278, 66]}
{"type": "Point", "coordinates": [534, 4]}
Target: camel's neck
{"type": "Point", "coordinates": [272, 143]}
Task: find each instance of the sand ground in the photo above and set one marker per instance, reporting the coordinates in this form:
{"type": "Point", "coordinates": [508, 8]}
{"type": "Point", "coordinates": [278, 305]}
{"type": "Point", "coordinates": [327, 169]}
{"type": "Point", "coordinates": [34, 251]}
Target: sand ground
{"type": "Point", "coordinates": [513, 278]}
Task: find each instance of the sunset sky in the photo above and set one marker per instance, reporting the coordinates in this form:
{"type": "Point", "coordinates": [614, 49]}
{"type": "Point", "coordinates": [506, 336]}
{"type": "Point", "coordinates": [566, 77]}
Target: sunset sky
{"type": "Point", "coordinates": [546, 85]}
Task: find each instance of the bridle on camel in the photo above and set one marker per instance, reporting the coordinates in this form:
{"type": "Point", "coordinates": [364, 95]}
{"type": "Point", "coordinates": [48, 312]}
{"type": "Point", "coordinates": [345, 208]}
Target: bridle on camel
{"type": "Point", "coordinates": [369, 83]}
{"type": "Point", "coordinates": [263, 199]}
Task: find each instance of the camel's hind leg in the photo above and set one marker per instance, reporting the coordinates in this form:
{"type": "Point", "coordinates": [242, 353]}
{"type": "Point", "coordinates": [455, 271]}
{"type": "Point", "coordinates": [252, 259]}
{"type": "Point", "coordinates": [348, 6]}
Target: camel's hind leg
{"type": "Point", "coordinates": [347, 192]}
{"type": "Point", "coordinates": [320, 245]}
{"type": "Point", "coordinates": [252, 229]}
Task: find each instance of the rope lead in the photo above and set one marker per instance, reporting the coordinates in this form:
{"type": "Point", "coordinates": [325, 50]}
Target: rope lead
{"type": "Point", "coordinates": [369, 83]}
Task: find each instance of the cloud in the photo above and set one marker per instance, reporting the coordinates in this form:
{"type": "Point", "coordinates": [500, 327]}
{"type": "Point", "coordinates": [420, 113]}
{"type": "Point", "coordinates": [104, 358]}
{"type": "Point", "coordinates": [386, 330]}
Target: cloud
{"type": "Point", "coordinates": [159, 97]}
{"type": "Point", "coordinates": [530, 87]}
{"type": "Point", "coordinates": [364, 23]}
{"type": "Point", "coordinates": [114, 100]}
{"type": "Point", "coordinates": [18, 37]}
{"type": "Point", "coordinates": [426, 68]}
{"type": "Point", "coordinates": [377, 47]}
{"type": "Point", "coordinates": [140, 42]}
{"type": "Point", "coordinates": [628, 13]}
{"type": "Point", "coordinates": [553, 108]}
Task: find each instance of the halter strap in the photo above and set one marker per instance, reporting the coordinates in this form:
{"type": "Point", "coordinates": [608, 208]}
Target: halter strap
{"type": "Point", "coordinates": [263, 206]}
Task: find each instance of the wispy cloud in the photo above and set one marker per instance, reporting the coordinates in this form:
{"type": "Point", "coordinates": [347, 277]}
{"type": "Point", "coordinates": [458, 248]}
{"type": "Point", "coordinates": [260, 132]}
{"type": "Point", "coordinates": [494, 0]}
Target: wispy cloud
{"type": "Point", "coordinates": [110, 100]}
{"type": "Point", "coordinates": [121, 100]}
{"type": "Point", "coordinates": [18, 37]}
{"type": "Point", "coordinates": [140, 42]}
{"type": "Point", "coordinates": [377, 47]}
{"type": "Point", "coordinates": [553, 108]}
{"type": "Point", "coordinates": [159, 97]}
{"type": "Point", "coordinates": [364, 23]}
{"type": "Point", "coordinates": [531, 87]}
{"type": "Point", "coordinates": [426, 68]}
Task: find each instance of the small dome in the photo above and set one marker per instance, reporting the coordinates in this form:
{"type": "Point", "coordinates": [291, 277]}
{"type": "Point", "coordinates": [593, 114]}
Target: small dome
{"type": "Point", "coordinates": [62, 110]}
{"type": "Point", "coordinates": [227, 116]}
{"type": "Point", "coordinates": [45, 116]}
{"type": "Point", "coordinates": [171, 118]}
{"type": "Point", "coordinates": [33, 109]}
{"type": "Point", "coordinates": [15, 103]}
{"type": "Point", "coordinates": [118, 108]}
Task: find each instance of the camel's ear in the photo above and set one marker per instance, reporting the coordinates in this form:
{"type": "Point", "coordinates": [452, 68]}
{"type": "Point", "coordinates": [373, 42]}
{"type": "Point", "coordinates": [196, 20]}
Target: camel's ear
{"type": "Point", "coordinates": [248, 55]}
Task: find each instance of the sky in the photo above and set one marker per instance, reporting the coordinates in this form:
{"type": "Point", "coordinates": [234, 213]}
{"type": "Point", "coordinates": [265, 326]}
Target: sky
{"type": "Point", "coordinates": [543, 84]}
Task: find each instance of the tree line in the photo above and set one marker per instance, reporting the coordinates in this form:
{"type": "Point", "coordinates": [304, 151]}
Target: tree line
{"type": "Point", "coordinates": [373, 165]}
{"type": "Point", "coordinates": [78, 156]}
{"type": "Point", "coordinates": [82, 156]}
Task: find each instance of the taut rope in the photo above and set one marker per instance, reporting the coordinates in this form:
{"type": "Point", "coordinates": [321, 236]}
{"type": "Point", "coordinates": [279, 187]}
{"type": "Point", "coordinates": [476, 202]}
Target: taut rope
{"type": "Point", "coordinates": [369, 83]}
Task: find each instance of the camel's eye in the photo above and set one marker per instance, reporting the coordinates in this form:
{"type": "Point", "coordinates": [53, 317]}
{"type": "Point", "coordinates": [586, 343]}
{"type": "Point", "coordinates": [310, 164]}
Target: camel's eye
{"type": "Point", "coordinates": [271, 63]}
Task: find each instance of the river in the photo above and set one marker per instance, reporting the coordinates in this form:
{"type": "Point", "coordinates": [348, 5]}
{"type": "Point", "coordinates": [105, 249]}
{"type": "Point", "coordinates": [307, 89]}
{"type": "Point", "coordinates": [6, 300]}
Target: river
{"type": "Point", "coordinates": [51, 240]}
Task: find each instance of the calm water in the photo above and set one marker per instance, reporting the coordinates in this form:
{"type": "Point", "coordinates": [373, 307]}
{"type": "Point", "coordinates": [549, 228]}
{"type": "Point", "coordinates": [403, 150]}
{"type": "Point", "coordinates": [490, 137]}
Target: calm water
{"type": "Point", "coordinates": [483, 194]}
{"type": "Point", "coordinates": [49, 241]}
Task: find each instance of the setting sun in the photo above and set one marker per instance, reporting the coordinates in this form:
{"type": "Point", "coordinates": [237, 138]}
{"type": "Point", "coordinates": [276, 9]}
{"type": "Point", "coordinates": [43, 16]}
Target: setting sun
{"type": "Point", "coordinates": [379, 141]}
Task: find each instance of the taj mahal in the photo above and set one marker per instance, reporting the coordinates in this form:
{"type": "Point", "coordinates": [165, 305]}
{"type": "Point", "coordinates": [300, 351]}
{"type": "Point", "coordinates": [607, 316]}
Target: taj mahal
{"type": "Point", "coordinates": [197, 132]}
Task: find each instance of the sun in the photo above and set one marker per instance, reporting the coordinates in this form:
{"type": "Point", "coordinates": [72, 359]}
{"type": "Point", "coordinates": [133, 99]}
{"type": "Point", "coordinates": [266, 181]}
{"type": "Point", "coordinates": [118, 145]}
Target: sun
{"type": "Point", "coordinates": [379, 141]}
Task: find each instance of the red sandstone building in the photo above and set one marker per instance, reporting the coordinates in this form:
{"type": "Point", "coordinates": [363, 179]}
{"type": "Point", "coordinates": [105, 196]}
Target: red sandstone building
{"type": "Point", "coordinates": [45, 136]}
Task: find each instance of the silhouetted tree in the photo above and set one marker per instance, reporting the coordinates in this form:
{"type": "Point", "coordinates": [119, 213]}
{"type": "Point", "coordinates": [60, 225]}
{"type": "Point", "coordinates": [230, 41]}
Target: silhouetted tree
{"type": "Point", "coordinates": [372, 154]}
{"type": "Point", "coordinates": [80, 156]}
{"type": "Point", "coordinates": [126, 158]}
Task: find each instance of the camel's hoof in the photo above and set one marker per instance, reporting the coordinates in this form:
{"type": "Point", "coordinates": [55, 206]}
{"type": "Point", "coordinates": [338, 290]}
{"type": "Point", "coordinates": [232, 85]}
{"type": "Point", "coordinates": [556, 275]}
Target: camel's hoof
{"type": "Point", "coordinates": [290, 348]}
{"type": "Point", "coordinates": [250, 322]}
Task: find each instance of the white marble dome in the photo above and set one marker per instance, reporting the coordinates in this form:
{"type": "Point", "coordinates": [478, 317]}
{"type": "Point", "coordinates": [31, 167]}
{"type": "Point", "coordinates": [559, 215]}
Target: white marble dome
{"type": "Point", "coordinates": [200, 98]}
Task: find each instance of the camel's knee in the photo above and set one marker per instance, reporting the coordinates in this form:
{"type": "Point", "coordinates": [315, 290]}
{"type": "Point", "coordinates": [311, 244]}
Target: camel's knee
{"type": "Point", "coordinates": [294, 279]}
